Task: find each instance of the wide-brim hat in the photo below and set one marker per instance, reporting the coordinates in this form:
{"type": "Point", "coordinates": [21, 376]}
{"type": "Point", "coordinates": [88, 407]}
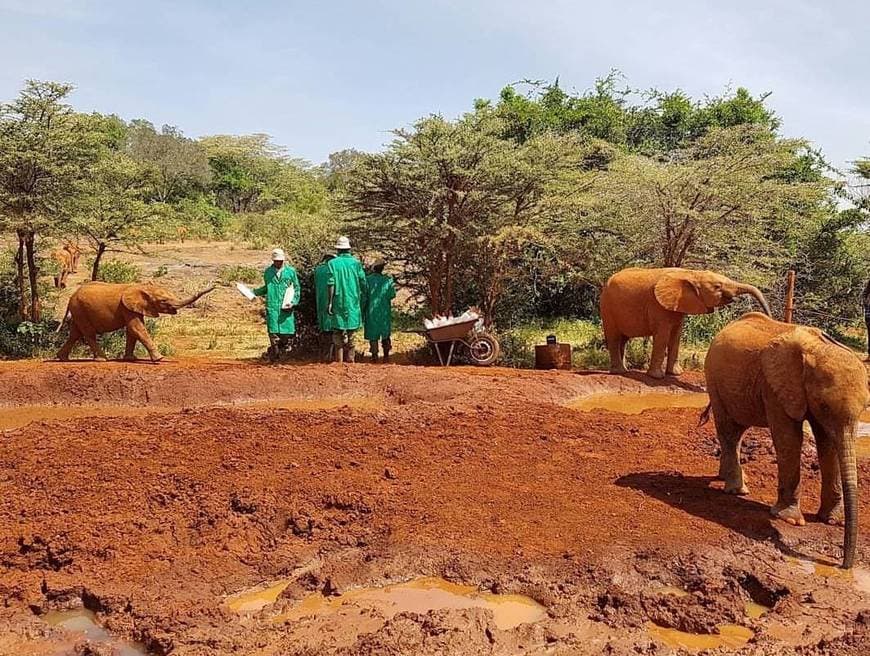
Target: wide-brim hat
{"type": "Point", "coordinates": [278, 255]}
{"type": "Point", "coordinates": [342, 244]}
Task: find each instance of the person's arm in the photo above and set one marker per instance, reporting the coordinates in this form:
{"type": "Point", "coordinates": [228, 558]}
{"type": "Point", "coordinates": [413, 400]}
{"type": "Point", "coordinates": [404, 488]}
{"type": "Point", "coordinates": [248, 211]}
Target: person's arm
{"type": "Point", "coordinates": [297, 288]}
{"type": "Point", "coordinates": [391, 292]}
{"type": "Point", "coordinates": [363, 289]}
{"type": "Point", "coordinates": [330, 288]}
{"type": "Point", "coordinates": [261, 291]}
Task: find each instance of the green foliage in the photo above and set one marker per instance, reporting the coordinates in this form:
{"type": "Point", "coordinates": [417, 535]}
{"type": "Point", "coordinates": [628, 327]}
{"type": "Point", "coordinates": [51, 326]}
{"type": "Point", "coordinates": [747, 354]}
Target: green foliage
{"type": "Point", "coordinates": [177, 167]}
{"type": "Point", "coordinates": [228, 275]}
{"type": "Point", "coordinates": [644, 122]}
{"type": "Point", "coordinates": [455, 204]}
{"type": "Point", "coordinates": [832, 267]}
{"type": "Point", "coordinates": [112, 209]}
{"type": "Point", "coordinates": [251, 175]}
{"type": "Point", "coordinates": [119, 272]}
{"type": "Point", "coordinates": [28, 339]}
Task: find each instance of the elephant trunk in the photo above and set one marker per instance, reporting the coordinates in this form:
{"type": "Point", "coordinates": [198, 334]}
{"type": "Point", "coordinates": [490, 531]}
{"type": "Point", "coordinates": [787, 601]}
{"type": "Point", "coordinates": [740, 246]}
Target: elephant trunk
{"type": "Point", "coordinates": [756, 294]}
{"type": "Point", "coordinates": [180, 304]}
{"type": "Point", "coordinates": [849, 476]}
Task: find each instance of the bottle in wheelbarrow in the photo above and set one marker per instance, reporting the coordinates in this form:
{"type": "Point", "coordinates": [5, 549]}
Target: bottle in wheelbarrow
{"type": "Point", "coordinates": [483, 349]}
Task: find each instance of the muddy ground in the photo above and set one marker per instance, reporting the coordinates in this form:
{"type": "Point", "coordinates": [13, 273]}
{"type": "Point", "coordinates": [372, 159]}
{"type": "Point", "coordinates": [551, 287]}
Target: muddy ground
{"type": "Point", "coordinates": [221, 477]}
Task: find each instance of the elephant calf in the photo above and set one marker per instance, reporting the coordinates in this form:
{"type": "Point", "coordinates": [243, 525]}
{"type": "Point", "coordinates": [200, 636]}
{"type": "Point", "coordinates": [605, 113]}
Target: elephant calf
{"type": "Point", "coordinates": [98, 307]}
{"type": "Point", "coordinates": [654, 302]}
{"type": "Point", "coordinates": [762, 372]}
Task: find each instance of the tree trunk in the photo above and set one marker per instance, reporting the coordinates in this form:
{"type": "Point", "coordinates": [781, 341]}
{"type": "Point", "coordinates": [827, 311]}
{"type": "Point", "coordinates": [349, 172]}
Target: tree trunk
{"type": "Point", "coordinates": [33, 274]}
{"type": "Point", "coordinates": [95, 270]}
{"type": "Point", "coordinates": [19, 278]}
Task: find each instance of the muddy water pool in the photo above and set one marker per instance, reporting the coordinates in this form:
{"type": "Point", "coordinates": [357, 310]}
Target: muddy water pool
{"type": "Point", "coordinates": [730, 636]}
{"type": "Point", "coordinates": [83, 624]}
{"type": "Point", "coordinates": [417, 596]}
{"type": "Point", "coordinates": [634, 404]}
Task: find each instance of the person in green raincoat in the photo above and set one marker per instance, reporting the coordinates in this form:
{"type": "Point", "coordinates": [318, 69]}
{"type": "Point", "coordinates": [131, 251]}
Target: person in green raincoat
{"type": "Point", "coordinates": [321, 292]}
{"type": "Point", "coordinates": [346, 289]}
{"type": "Point", "coordinates": [280, 321]}
{"type": "Point", "coordinates": [378, 315]}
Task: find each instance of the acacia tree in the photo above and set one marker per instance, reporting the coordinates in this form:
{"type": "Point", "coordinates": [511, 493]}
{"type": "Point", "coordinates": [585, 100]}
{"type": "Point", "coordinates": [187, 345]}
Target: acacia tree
{"type": "Point", "coordinates": [112, 208]}
{"type": "Point", "coordinates": [178, 166]}
{"type": "Point", "coordinates": [45, 150]}
{"type": "Point", "coordinates": [431, 200]}
{"type": "Point", "coordinates": [243, 169]}
{"type": "Point", "coordinates": [731, 197]}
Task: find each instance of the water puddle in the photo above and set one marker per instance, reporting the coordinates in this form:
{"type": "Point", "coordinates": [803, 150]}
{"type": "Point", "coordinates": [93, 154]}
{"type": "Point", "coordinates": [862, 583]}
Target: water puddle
{"type": "Point", "coordinates": [84, 623]}
{"type": "Point", "coordinates": [634, 404]}
{"type": "Point", "coordinates": [730, 636]}
{"type": "Point", "coordinates": [754, 610]}
{"type": "Point", "coordinates": [858, 576]}
{"type": "Point", "coordinates": [420, 596]}
{"type": "Point", "coordinates": [12, 418]}
{"type": "Point", "coordinates": [256, 599]}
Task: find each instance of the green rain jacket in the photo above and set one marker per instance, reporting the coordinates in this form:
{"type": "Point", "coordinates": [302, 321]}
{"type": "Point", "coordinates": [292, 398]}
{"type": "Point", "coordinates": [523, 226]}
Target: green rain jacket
{"type": "Point", "coordinates": [278, 321]}
{"type": "Point", "coordinates": [321, 294]}
{"type": "Point", "coordinates": [381, 291]}
{"type": "Point", "coordinates": [347, 275]}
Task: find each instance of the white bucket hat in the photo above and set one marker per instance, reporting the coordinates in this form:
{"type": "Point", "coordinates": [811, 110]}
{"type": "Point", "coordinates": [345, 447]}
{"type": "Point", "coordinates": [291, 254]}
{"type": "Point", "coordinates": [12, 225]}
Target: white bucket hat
{"type": "Point", "coordinates": [343, 244]}
{"type": "Point", "coordinates": [278, 255]}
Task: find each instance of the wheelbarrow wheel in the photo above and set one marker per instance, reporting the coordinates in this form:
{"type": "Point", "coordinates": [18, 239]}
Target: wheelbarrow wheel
{"type": "Point", "coordinates": [483, 349]}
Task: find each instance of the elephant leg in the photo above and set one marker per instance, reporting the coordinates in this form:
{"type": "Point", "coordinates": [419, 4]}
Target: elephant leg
{"type": "Point", "coordinates": [673, 366]}
{"type": "Point", "coordinates": [657, 359]}
{"type": "Point", "coordinates": [831, 508]}
{"type": "Point", "coordinates": [130, 346]}
{"type": "Point", "coordinates": [730, 435]}
{"type": "Point", "coordinates": [74, 336]}
{"type": "Point", "coordinates": [91, 339]}
{"type": "Point", "coordinates": [616, 348]}
{"type": "Point", "coordinates": [136, 328]}
{"type": "Point", "coordinates": [788, 438]}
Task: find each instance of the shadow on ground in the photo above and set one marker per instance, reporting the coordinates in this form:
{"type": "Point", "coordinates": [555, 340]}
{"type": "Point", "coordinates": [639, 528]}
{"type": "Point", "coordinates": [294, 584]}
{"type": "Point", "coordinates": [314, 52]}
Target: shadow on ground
{"type": "Point", "coordinates": [694, 495]}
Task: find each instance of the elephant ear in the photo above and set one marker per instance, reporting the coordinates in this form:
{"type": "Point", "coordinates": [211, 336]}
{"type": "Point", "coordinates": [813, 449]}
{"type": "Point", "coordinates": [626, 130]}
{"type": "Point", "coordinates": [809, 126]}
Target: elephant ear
{"type": "Point", "coordinates": [138, 299]}
{"type": "Point", "coordinates": [783, 364]}
{"type": "Point", "coordinates": [678, 292]}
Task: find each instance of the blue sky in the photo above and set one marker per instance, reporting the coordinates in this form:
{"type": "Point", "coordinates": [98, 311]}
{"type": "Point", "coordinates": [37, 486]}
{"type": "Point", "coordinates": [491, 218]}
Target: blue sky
{"type": "Point", "coordinates": [322, 76]}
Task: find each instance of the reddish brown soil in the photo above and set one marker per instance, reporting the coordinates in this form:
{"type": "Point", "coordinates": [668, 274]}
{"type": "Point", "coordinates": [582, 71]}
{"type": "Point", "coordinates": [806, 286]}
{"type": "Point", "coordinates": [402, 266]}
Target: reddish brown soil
{"type": "Point", "coordinates": [480, 476]}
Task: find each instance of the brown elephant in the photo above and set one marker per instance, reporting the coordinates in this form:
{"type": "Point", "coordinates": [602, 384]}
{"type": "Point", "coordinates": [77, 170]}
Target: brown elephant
{"type": "Point", "coordinates": [75, 253]}
{"type": "Point", "coordinates": [64, 266]}
{"type": "Point", "coordinates": [99, 307]}
{"type": "Point", "coordinates": [761, 372]}
{"type": "Point", "coordinates": [654, 302]}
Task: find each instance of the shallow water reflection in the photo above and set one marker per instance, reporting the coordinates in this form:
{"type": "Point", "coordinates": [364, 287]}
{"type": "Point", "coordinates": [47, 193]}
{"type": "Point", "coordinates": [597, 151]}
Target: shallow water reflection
{"type": "Point", "coordinates": [83, 622]}
{"type": "Point", "coordinates": [420, 596]}
{"type": "Point", "coordinates": [633, 404]}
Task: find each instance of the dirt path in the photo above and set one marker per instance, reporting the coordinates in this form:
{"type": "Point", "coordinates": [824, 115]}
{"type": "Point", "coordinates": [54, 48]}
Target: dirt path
{"type": "Point", "coordinates": [322, 479]}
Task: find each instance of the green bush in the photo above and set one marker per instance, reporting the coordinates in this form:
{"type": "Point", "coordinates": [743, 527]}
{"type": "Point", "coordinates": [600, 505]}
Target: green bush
{"type": "Point", "coordinates": [227, 275]}
{"type": "Point", "coordinates": [118, 271]}
{"type": "Point", "coordinates": [28, 339]}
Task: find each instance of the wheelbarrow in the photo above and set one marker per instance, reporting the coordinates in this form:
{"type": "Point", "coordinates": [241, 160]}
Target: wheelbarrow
{"type": "Point", "coordinates": [482, 347]}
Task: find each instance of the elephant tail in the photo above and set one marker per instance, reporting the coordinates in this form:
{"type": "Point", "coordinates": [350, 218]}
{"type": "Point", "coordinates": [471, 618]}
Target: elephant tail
{"type": "Point", "coordinates": [63, 321]}
{"type": "Point", "coordinates": [705, 415]}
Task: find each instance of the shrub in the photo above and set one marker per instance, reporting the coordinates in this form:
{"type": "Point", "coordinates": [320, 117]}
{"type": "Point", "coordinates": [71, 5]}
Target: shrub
{"type": "Point", "coordinates": [28, 339]}
{"type": "Point", "coordinates": [118, 271]}
{"type": "Point", "coordinates": [227, 275]}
